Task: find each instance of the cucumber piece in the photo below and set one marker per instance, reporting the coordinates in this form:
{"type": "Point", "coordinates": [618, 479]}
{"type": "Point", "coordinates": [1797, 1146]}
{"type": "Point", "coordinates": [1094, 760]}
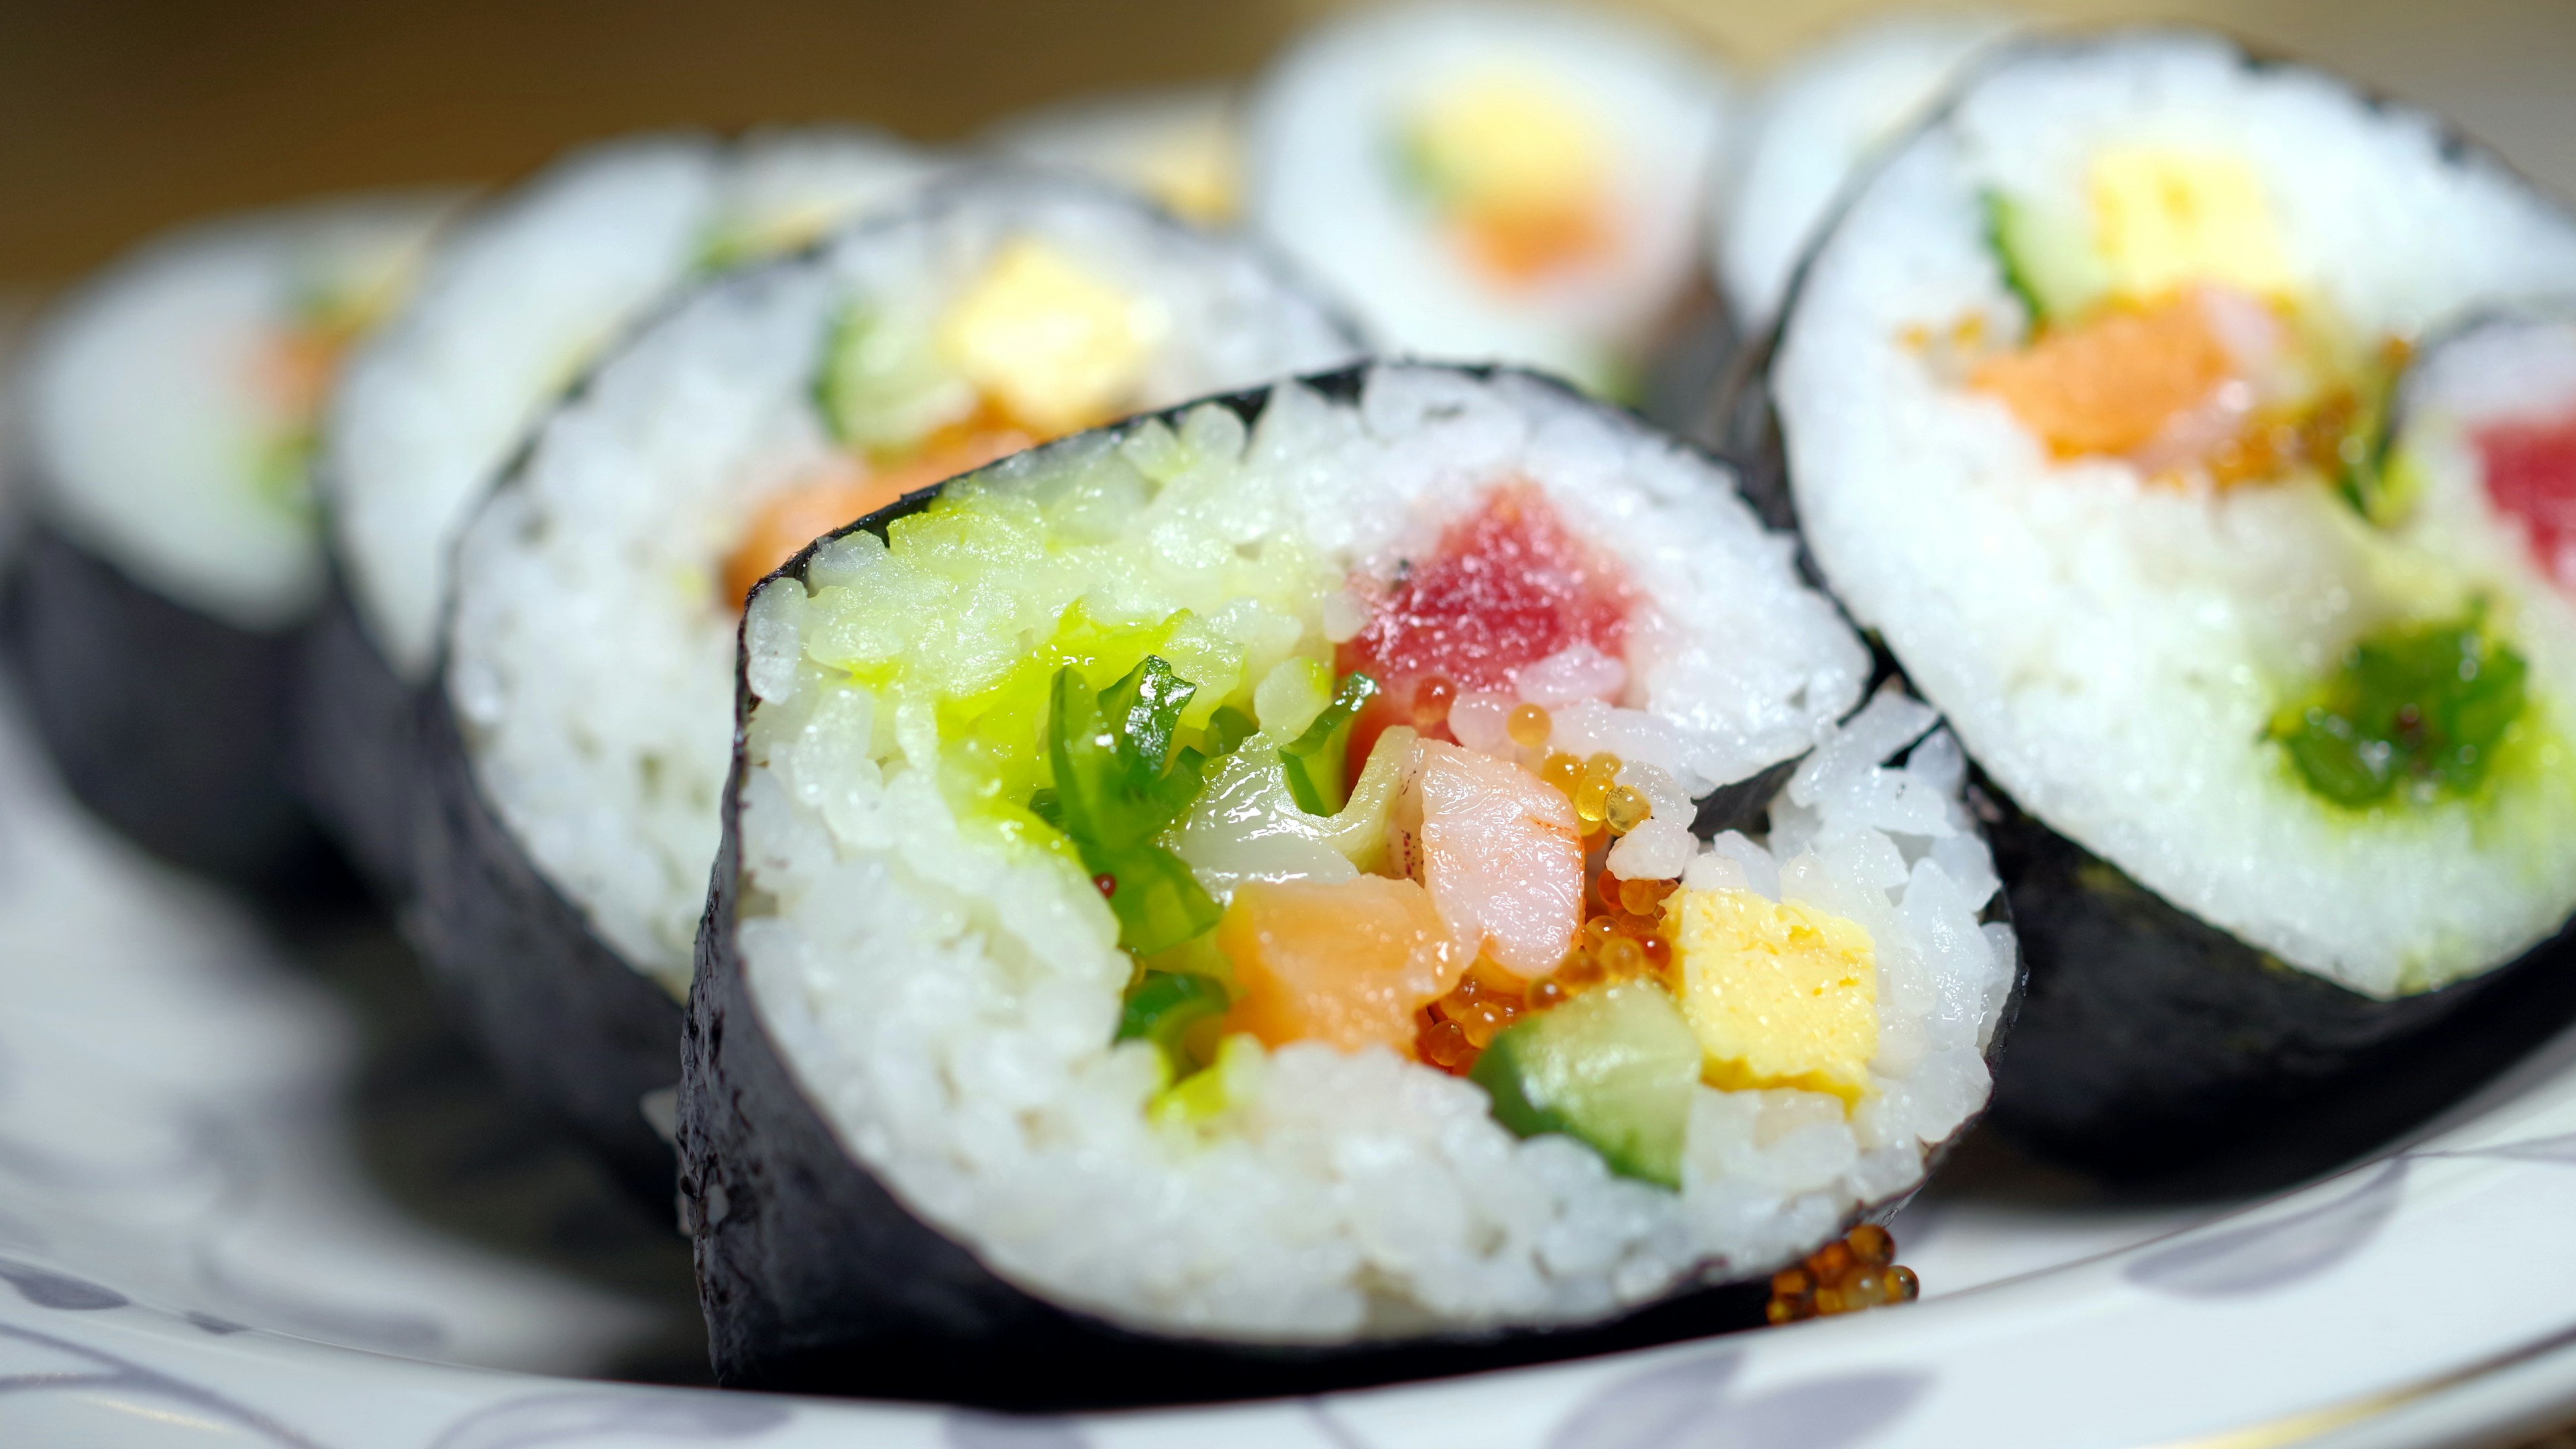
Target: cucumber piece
{"type": "Point", "coordinates": [2048, 259]}
{"type": "Point", "coordinates": [1162, 1008]}
{"type": "Point", "coordinates": [1613, 1068]}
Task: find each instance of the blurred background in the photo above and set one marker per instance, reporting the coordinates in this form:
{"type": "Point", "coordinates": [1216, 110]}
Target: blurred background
{"type": "Point", "coordinates": [118, 117]}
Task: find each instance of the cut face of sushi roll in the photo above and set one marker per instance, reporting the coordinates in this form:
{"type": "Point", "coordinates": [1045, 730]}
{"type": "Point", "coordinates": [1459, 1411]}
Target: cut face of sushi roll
{"type": "Point", "coordinates": [169, 414]}
{"type": "Point", "coordinates": [1181, 149]}
{"type": "Point", "coordinates": [516, 303]}
{"type": "Point", "coordinates": [1816, 125]}
{"type": "Point", "coordinates": [580, 734]}
{"type": "Point", "coordinates": [1501, 183]}
{"type": "Point", "coordinates": [2083, 403]}
{"type": "Point", "coordinates": [1217, 896]}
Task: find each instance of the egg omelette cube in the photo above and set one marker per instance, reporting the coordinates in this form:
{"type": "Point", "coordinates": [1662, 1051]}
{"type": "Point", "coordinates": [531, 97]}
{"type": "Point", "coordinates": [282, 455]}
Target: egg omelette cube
{"type": "Point", "coordinates": [2165, 218]}
{"type": "Point", "coordinates": [1780, 994]}
{"type": "Point", "coordinates": [1059, 348]}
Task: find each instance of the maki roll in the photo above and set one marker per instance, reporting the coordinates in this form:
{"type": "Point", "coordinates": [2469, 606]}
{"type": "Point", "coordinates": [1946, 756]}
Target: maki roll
{"type": "Point", "coordinates": [1224, 905]}
{"type": "Point", "coordinates": [1815, 127]}
{"type": "Point", "coordinates": [512, 306]}
{"type": "Point", "coordinates": [1182, 148]}
{"type": "Point", "coordinates": [1495, 182]}
{"type": "Point", "coordinates": [577, 739]}
{"type": "Point", "coordinates": [167, 416]}
{"type": "Point", "coordinates": [2084, 404]}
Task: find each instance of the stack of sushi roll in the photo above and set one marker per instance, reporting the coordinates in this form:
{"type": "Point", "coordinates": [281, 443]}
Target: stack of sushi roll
{"type": "Point", "coordinates": [2085, 405]}
{"type": "Point", "coordinates": [167, 415]}
{"type": "Point", "coordinates": [1069, 796]}
{"type": "Point", "coordinates": [514, 304]}
{"type": "Point", "coordinates": [1495, 182]}
{"type": "Point", "coordinates": [578, 740]}
{"type": "Point", "coordinates": [1214, 903]}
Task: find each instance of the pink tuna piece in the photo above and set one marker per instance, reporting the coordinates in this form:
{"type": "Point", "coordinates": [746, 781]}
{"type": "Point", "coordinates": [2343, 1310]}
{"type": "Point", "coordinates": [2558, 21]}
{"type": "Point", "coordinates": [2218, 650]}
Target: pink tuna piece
{"type": "Point", "coordinates": [1500, 852]}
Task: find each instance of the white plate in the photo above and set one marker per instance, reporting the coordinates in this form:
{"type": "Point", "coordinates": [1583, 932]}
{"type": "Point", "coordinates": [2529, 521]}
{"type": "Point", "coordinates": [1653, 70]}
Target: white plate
{"type": "Point", "coordinates": [195, 1253]}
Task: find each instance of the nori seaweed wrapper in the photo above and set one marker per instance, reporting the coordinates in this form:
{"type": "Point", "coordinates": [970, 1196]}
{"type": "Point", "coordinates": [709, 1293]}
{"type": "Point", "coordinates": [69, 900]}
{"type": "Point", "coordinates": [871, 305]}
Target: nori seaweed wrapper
{"type": "Point", "coordinates": [2151, 1044]}
{"type": "Point", "coordinates": [564, 1018]}
{"type": "Point", "coordinates": [356, 750]}
{"type": "Point", "coordinates": [816, 1278]}
{"type": "Point", "coordinates": [167, 722]}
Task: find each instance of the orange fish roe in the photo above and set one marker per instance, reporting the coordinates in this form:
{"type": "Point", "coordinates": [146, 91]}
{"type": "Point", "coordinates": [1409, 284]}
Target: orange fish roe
{"type": "Point", "coordinates": [1857, 1271]}
{"type": "Point", "coordinates": [2110, 384]}
{"type": "Point", "coordinates": [1562, 770]}
{"type": "Point", "coordinates": [1529, 726]}
{"type": "Point", "coordinates": [1453, 1031]}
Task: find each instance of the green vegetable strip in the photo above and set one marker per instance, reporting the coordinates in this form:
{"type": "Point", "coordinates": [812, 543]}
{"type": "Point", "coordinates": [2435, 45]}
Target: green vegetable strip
{"type": "Point", "coordinates": [1162, 1008]}
{"type": "Point", "coordinates": [1318, 770]}
{"type": "Point", "coordinates": [2362, 475]}
{"type": "Point", "coordinates": [2422, 708]}
{"type": "Point", "coordinates": [1226, 731]}
{"type": "Point", "coordinates": [839, 376]}
{"type": "Point", "coordinates": [1999, 214]}
{"type": "Point", "coordinates": [1115, 791]}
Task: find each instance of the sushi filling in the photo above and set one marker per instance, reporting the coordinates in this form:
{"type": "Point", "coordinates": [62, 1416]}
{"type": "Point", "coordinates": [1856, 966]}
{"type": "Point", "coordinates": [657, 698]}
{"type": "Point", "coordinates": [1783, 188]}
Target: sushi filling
{"type": "Point", "coordinates": [1035, 347]}
{"type": "Point", "coordinates": [1004, 313]}
{"type": "Point", "coordinates": [1233, 811]}
{"type": "Point", "coordinates": [2143, 372]}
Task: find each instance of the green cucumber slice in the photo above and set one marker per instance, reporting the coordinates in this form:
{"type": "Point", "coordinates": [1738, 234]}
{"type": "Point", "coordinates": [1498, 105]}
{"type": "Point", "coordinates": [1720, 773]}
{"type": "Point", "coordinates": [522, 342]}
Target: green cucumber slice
{"type": "Point", "coordinates": [1613, 1068]}
{"type": "Point", "coordinates": [2048, 259]}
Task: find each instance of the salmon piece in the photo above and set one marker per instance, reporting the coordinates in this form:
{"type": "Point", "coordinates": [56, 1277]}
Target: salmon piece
{"type": "Point", "coordinates": [1346, 963]}
{"type": "Point", "coordinates": [2109, 385]}
{"type": "Point", "coordinates": [1500, 852]}
{"type": "Point", "coordinates": [845, 493]}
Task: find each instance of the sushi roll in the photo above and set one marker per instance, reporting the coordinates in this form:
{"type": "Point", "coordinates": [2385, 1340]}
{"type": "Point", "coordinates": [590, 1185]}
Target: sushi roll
{"type": "Point", "coordinates": [511, 307]}
{"type": "Point", "coordinates": [577, 737]}
{"type": "Point", "coordinates": [167, 412]}
{"type": "Point", "coordinates": [1181, 148]}
{"type": "Point", "coordinates": [2084, 405]}
{"type": "Point", "coordinates": [1495, 182]}
{"type": "Point", "coordinates": [1815, 127]}
{"type": "Point", "coordinates": [1248, 900]}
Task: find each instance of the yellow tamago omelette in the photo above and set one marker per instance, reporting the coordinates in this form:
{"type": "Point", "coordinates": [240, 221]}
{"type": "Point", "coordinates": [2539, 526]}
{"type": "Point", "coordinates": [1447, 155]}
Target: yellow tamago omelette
{"type": "Point", "coordinates": [1779, 994]}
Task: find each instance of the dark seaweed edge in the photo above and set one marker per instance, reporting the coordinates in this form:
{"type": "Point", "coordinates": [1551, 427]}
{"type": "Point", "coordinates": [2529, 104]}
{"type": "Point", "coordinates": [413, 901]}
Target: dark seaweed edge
{"type": "Point", "coordinates": [2270, 1130]}
{"type": "Point", "coordinates": [754, 1144]}
{"type": "Point", "coordinates": [163, 720]}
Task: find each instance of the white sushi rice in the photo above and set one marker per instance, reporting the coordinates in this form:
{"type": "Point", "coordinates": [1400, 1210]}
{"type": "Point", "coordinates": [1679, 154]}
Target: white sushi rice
{"type": "Point", "coordinates": [2111, 651]}
{"type": "Point", "coordinates": [1817, 123]}
{"type": "Point", "coordinates": [949, 1003]}
{"type": "Point", "coordinates": [519, 300]}
{"type": "Point", "coordinates": [152, 411]}
{"type": "Point", "coordinates": [591, 653]}
{"type": "Point", "coordinates": [1324, 140]}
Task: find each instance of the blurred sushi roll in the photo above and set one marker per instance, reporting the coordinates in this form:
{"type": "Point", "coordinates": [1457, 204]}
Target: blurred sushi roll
{"type": "Point", "coordinates": [2084, 404]}
{"type": "Point", "coordinates": [168, 412]}
{"type": "Point", "coordinates": [514, 303]}
{"type": "Point", "coordinates": [1211, 907]}
{"type": "Point", "coordinates": [1181, 148]}
{"type": "Point", "coordinates": [1815, 127]}
{"type": "Point", "coordinates": [1495, 182]}
{"type": "Point", "coordinates": [578, 740]}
